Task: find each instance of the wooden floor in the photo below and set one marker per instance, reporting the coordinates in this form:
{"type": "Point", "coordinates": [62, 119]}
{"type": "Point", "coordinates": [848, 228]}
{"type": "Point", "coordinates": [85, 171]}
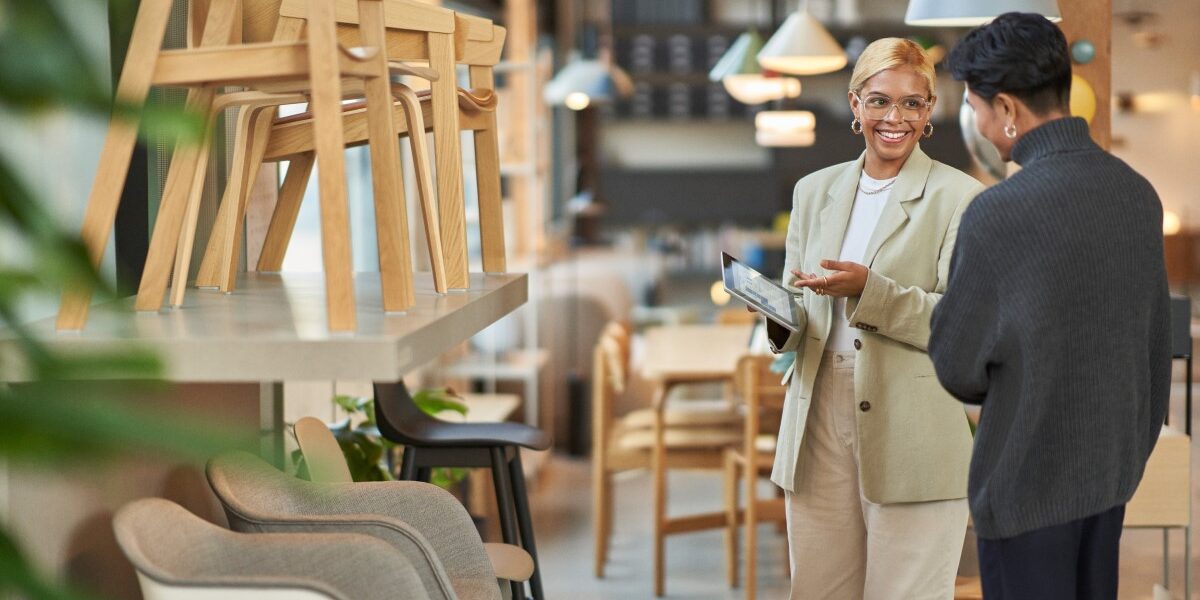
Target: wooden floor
{"type": "Point", "coordinates": [561, 503]}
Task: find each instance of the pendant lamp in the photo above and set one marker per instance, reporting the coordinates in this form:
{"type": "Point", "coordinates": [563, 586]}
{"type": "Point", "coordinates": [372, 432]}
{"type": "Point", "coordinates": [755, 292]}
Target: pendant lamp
{"type": "Point", "coordinates": [777, 128]}
{"type": "Point", "coordinates": [584, 82]}
{"type": "Point", "coordinates": [802, 47]}
{"type": "Point", "coordinates": [738, 70]}
{"type": "Point", "coordinates": [971, 13]}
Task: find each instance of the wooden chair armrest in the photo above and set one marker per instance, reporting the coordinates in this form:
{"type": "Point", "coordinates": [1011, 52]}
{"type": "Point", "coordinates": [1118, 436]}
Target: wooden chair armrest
{"type": "Point", "coordinates": [399, 68]}
{"type": "Point", "coordinates": [510, 562]}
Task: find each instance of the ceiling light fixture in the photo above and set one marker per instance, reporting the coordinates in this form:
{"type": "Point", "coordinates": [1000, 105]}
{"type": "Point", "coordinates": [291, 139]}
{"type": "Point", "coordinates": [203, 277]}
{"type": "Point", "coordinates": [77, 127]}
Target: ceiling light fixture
{"type": "Point", "coordinates": [972, 13]}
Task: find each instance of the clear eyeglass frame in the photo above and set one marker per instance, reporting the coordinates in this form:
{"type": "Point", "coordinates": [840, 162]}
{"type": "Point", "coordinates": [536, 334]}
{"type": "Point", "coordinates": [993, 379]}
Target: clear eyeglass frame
{"type": "Point", "coordinates": [877, 107]}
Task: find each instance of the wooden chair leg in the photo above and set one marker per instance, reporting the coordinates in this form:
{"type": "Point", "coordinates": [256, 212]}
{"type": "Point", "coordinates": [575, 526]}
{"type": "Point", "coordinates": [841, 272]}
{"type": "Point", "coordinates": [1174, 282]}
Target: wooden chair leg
{"type": "Point", "coordinates": [751, 527]}
{"type": "Point", "coordinates": [487, 174]}
{"type": "Point", "coordinates": [221, 24]}
{"type": "Point", "coordinates": [164, 239]}
{"type": "Point", "coordinates": [329, 146]}
{"type": "Point", "coordinates": [183, 253]}
{"type": "Point", "coordinates": [144, 43]}
{"type": "Point", "coordinates": [448, 154]}
{"type": "Point", "coordinates": [206, 274]}
{"type": "Point", "coordinates": [730, 483]}
{"type": "Point", "coordinates": [227, 261]}
{"type": "Point", "coordinates": [287, 208]}
{"type": "Point", "coordinates": [659, 470]}
{"type": "Point", "coordinates": [601, 480]}
{"type": "Point", "coordinates": [420, 152]}
{"type": "Point", "coordinates": [391, 211]}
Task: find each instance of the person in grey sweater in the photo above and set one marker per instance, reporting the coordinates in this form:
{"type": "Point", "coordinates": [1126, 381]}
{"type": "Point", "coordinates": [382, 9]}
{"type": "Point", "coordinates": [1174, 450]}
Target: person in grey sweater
{"type": "Point", "coordinates": [1056, 321]}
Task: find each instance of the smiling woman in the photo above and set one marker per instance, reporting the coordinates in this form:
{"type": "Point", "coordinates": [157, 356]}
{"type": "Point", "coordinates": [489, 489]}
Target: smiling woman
{"type": "Point", "coordinates": [872, 453]}
{"type": "Point", "coordinates": [891, 95]}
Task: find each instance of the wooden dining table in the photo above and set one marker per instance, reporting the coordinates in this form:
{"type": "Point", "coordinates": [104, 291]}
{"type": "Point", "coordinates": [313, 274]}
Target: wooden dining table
{"type": "Point", "coordinates": [677, 355]}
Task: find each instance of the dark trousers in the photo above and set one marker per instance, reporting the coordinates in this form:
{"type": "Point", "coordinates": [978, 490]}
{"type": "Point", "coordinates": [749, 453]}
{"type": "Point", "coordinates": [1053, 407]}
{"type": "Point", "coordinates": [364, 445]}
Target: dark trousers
{"type": "Point", "coordinates": [1073, 560]}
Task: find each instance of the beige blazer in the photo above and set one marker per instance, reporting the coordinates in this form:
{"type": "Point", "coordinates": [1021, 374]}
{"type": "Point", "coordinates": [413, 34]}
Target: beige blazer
{"type": "Point", "coordinates": [914, 440]}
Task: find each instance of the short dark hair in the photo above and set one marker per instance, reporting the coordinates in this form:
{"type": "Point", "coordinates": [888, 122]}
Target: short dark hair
{"type": "Point", "coordinates": [1022, 54]}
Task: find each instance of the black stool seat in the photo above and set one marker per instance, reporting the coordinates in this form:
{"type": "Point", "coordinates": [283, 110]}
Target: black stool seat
{"type": "Point", "coordinates": [432, 443]}
{"type": "Point", "coordinates": [426, 431]}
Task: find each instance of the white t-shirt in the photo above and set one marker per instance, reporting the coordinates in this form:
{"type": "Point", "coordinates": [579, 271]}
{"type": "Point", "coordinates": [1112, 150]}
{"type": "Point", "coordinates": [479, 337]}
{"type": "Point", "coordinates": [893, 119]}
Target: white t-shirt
{"type": "Point", "coordinates": [863, 219]}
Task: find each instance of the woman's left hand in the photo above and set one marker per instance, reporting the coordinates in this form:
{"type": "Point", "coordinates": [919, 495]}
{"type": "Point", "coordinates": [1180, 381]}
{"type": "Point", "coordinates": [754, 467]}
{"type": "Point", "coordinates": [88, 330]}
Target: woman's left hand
{"type": "Point", "coordinates": [845, 279]}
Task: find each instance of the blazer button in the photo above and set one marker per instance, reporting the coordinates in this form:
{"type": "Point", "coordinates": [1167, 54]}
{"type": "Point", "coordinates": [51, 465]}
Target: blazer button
{"type": "Point", "coordinates": [857, 344]}
{"type": "Point", "coordinates": [864, 406]}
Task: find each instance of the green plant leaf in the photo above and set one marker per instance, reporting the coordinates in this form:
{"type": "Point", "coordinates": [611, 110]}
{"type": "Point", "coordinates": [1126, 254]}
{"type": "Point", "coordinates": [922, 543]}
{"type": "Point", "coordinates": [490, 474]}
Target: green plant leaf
{"type": "Point", "coordinates": [17, 575]}
{"type": "Point", "coordinates": [435, 400]}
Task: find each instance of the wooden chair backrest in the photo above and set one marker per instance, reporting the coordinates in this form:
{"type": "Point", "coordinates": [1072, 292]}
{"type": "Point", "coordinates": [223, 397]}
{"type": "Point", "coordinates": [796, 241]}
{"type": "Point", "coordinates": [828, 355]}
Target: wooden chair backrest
{"type": "Point", "coordinates": [322, 454]}
{"type": "Point", "coordinates": [608, 380]}
{"type": "Point", "coordinates": [761, 392]}
{"type": "Point", "coordinates": [736, 316]}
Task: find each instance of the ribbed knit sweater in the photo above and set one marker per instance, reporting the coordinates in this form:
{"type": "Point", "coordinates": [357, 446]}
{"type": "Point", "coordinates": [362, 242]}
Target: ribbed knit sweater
{"type": "Point", "coordinates": [1056, 321]}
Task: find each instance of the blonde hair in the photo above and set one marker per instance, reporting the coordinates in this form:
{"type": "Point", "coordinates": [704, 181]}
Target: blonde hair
{"type": "Point", "coordinates": [890, 53]}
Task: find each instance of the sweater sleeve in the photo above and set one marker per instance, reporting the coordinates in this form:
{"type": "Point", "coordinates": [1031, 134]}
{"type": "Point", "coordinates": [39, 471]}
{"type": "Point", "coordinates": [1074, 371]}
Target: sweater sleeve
{"type": "Point", "coordinates": [903, 312]}
{"type": "Point", "coordinates": [1159, 358]}
{"type": "Point", "coordinates": [966, 322]}
{"type": "Point", "coordinates": [782, 339]}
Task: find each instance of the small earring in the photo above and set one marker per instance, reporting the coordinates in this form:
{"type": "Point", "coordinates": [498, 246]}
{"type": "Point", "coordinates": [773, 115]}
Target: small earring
{"type": "Point", "coordinates": [928, 132]}
{"type": "Point", "coordinates": [1010, 131]}
{"type": "Point", "coordinates": [856, 126]}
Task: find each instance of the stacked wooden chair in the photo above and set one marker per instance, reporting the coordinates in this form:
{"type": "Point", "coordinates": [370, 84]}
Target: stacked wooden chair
{"type": "Point", "coordinates": [697, 433]}
{"type": "Point", "coordinates": [306, 59]}
{"type": "Point", "coordinates": [762, 397]}
{"type": "Point", "coordinates": [477, 43]}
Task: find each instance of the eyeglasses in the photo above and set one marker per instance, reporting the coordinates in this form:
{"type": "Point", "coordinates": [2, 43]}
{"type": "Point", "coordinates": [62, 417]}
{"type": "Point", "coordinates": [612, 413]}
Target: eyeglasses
{"type": "Point", "coordinates": [878, 107]}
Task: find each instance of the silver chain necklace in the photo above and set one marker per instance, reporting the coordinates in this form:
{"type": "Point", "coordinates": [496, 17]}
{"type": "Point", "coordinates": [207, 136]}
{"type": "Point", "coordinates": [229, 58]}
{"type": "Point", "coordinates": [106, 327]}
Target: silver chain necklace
{"type": "Point", "coordinates": [880, 189]}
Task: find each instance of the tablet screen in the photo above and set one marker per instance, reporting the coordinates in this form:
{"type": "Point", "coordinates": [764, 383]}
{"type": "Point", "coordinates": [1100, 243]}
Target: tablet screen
{"type": "Point", "coordinates": [757, 289]}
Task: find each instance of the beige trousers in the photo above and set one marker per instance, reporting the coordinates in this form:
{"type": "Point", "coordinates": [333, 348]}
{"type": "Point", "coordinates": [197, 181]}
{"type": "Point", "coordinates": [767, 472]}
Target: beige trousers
{"type": "Point", "coordinates": [844, 547]}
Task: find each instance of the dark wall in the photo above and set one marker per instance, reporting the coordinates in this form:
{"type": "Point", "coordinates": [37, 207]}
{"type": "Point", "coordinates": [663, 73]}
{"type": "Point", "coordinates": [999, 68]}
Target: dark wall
{"type": "Point", "coordinates": [748, 197]}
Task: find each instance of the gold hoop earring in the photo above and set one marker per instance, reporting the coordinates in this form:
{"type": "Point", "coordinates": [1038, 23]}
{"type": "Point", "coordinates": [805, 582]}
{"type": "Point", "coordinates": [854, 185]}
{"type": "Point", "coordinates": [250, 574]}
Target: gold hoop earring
{"type": "Point", "coordinates": [928, 131]}
{"type": "Point", "coordinates": [856, 126]}
{"type": "Point", "coordinates": [1010, 131]}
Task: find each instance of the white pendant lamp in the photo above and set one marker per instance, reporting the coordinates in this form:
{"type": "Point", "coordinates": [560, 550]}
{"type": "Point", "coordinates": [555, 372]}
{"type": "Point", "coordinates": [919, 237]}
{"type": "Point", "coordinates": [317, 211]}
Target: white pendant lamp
{"type": "Point", "coordinates": [802, 47]}
{"type": "Point", "coordinates": [777, 128]}
{"type": "Point", "coordinates": [738, 70]}
{"type": "Point", "coordinates": [971, 13]}
{"type": "Point", "coordinates": [759, 88]}
{"type": "Point", "coordinates": [581, 83]}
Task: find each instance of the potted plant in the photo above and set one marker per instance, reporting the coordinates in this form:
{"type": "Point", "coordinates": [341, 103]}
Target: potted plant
{"type": "Point", "coordinates": [368, 454]}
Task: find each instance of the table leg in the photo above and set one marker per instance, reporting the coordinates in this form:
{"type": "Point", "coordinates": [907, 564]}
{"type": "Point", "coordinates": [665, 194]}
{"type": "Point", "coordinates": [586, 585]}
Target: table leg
{"type": "Point", "coordinates": [659, 463]}
{"type": "Point", "coordinates": [270, 422]}
{"type": "Point", "coordinates": [1187, 562]}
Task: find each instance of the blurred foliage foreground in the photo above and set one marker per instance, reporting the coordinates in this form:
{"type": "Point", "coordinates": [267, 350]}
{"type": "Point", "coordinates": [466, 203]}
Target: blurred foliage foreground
{"type": "Point", "coordinates": [62, 416]}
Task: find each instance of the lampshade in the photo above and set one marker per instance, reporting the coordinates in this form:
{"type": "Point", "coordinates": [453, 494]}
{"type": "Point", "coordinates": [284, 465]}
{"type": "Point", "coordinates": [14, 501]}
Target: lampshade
{"type": "Point", "coordinates": [970, 13]}
{"type": "Point", "coordinates": [738, 70]}
{"type": "Point", "coordinates": [579, 84]}
{"type": "Point", "coordinates": [785, 128]}
{"type": "Point", "coordinates": [739, 59]}
{"type": "Point", "coordinates": [759, 88]}
{"type": "Point", "coordinates": [802, 47]}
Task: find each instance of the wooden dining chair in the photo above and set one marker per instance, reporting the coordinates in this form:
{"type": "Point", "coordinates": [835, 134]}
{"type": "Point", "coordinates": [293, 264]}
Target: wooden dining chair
{"type": "Point", "coordinates": [695, 437]}
{"type": "Point", "coordinates": [478, 44]}
{"type": "Point", "coordinates": [314, 66]}
{"type": "Point", "coordinates": [762, 396]}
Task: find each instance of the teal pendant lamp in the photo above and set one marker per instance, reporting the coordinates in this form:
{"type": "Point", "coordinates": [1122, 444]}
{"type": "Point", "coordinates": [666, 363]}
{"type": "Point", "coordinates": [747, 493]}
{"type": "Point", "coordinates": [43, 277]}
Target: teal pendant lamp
{"type": "Point", "coordinates": [971, 13]}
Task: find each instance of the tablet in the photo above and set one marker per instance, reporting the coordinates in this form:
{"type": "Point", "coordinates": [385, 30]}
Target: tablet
{"type": "Point", "coordinates": [759, 291]}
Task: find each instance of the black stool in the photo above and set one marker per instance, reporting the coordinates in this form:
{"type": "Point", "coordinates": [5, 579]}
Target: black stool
{"type": "Point", "coordinates": [430, 443]}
